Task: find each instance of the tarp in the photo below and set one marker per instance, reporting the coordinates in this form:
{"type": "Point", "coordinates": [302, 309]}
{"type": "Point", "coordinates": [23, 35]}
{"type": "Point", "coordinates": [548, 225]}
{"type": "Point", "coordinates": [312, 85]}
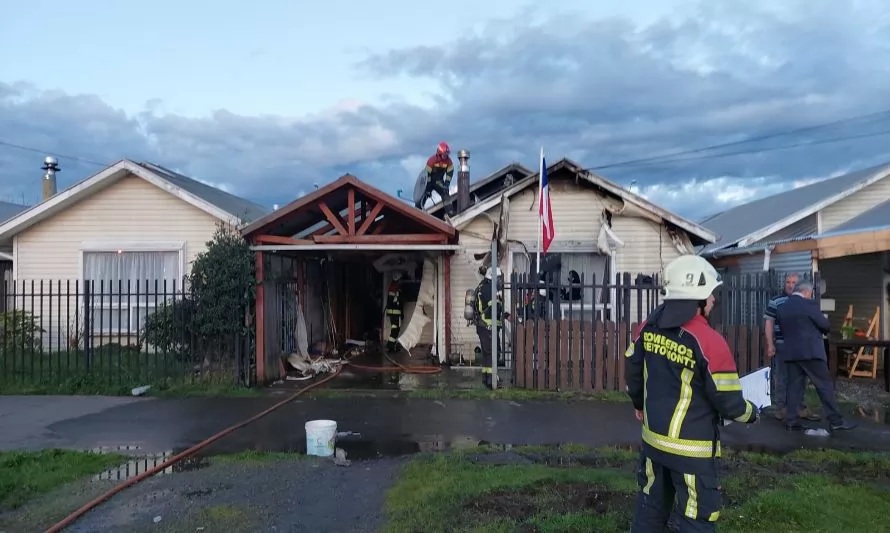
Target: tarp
{"type": "Point", "coordinates": [426, 296]}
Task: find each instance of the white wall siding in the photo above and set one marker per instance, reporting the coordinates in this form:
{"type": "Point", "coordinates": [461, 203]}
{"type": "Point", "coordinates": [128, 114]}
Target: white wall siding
{"type": "Point", "coordinates": [856, 204]}
{"type": "Point", "coordinates": [577, 217]}
{"type": "Point", "coordinates": [647, 249]}
{"type": "Point", "coordinates": [855, 280]}
{"type": "Point", "coordinates": [128, 211]}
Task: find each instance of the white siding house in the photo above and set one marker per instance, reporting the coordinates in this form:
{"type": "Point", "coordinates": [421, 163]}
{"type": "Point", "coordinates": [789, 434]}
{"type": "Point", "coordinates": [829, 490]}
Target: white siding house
{"type": "Point", "coordinates": [642, 238]}
{"type": "Point", "coordinates": [128, 229]}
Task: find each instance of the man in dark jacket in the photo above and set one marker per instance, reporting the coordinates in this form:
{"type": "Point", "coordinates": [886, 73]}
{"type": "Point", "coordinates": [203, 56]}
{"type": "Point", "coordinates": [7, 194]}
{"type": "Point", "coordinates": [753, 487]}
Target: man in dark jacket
{"type": "Point", "coordinates": [803, 325]}
{"type": "Point", "coordinates": [682, 380]}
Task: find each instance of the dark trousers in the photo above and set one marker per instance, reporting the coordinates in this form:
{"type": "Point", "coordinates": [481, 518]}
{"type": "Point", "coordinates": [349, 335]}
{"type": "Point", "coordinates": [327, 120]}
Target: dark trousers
{"type": "Point", "coordinates": [817, 371]}
{"type": "Point", "coordinates": [485, 346]}
{"type": "Point", "coordinates": [780, 372]}
{"type": "Point", "coordinates": [442, 189]}
{"type": "Point", "coordinates": [395, 326]}
{"type": "Point", "coordinates": [698, 499]}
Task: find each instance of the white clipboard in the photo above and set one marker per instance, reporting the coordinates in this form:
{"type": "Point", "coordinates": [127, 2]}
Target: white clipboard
{"type": "Point", "coordinates": [756, 389]}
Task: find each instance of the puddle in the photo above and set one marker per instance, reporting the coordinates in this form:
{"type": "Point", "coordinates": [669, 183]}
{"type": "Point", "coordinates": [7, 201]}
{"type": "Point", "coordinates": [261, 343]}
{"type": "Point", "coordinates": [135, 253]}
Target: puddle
{"type": "Point", "coordinates": [143, 463]}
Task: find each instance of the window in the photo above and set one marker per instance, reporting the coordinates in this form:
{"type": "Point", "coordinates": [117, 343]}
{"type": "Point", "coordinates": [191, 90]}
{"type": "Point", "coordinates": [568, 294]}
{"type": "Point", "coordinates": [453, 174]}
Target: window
{"type": "Point", "coordinates": [587, 264]}
{"type": "Point", "coordinates": [126, 286]}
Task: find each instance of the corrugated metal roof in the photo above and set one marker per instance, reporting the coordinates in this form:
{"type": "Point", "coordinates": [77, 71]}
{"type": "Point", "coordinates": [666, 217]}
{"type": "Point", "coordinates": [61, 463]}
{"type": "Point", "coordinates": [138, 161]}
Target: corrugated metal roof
{"type": "Point", "coordinates": [877, 216]}
{"type": "Point", "coordinates": [8, 210]}
{"type": "Point", "coordinates": [240, 207]}
{"type": "Point", "coordinates": [734, 224]}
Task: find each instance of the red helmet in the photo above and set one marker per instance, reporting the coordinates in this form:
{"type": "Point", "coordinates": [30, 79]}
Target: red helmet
{"type": "Point", "coordinates": [443, 149]}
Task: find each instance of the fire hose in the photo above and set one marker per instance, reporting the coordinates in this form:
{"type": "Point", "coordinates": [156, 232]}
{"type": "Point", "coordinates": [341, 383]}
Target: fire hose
{"type": "Point", "coordinates": [70, 519]}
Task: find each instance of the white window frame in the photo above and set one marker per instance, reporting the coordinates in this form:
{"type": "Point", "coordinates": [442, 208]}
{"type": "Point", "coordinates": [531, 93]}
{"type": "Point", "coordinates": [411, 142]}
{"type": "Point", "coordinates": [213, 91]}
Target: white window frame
{"type": "Point", "coordinates": [568, 249]}
{"type": "Point", "coordinates": [135, 308]}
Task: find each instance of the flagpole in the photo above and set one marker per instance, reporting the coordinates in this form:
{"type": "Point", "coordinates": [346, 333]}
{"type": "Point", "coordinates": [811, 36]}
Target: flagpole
{"type": "Point", "coordinates": [540, 218]}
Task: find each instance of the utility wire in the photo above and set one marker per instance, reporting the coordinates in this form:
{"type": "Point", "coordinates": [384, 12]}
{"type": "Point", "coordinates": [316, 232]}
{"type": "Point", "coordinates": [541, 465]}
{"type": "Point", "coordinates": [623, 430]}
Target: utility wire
{"type": "Point", "coordinates": [645, 161]}
{"type": "Point", "coordinates": [634, 162]}
{"type": "Point", "coordinates": [46, 152]}
{"type": "Point", "coordinates": [765, 150]}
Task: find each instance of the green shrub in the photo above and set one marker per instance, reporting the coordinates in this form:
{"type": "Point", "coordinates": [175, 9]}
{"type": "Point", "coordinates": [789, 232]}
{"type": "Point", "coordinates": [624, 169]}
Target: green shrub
{"type": "Point", "coordinates": [20, 332]}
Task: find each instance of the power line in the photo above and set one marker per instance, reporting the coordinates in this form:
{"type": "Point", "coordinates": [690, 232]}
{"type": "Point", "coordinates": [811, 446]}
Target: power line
{"type": "Point", "coordinates": [47, 152]}
{"type": "Point", "coordinates": [770, 149]}
{"type": "Point", "coordinates": [645, 161]}
{"type": "Point", "coordinates": [634, 162]}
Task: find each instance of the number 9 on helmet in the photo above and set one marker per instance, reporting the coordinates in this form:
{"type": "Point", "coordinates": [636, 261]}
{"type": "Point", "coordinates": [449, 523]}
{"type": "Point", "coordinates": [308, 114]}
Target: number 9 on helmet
{"type": "Point", "coordinates": [690, 277]}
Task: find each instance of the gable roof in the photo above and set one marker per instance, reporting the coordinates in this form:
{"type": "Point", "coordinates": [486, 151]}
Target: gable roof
{"type": "Point", "coordinates": [598, 181]}
{"type": "Point", "coordinates": [217, 203]}
{"type": "Point", "coordinates": [331, 190]}
{"type": "Point", "coordinates": [750, 222]}
{"type": "Point", "coordinates": [9, 210]}
{"type": "Point", "coordinates": [878, 217]}
{"type": "Point", "coordinates": [240, 207]}
{"type": "Point", "coordinates": [512, 168]}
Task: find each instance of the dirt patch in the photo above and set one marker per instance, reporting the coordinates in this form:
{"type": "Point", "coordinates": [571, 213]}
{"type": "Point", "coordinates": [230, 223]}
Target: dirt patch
{"type": "Point", "coordinates": [550, 498]}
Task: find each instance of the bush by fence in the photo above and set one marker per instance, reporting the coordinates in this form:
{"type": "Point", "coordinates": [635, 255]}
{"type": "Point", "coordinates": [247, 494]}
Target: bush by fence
{"type": "Point", "coordinates": [90, 337]}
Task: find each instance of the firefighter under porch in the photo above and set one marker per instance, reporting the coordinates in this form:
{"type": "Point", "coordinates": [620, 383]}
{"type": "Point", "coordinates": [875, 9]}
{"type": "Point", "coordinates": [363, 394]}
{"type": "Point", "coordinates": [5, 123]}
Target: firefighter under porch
{"type": "Point", "coordinates": [349, 272]}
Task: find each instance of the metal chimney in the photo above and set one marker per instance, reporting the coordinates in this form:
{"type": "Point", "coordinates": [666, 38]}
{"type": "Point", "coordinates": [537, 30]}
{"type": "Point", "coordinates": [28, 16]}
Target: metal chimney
{"type": "Point", "coordinates": [463, 181]}
{"type": "Point", "coordinates": [50, 166]}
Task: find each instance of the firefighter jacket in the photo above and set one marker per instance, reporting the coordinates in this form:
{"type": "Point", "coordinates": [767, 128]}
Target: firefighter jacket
{"type": "Point", "coordinates": [440, 169]}
{"type": "Point", "coordinates": [394, 300]}
{"type": "Point", "coordinates": [483, 305]}
{"type": "Point", "coordinates": [685, 381]}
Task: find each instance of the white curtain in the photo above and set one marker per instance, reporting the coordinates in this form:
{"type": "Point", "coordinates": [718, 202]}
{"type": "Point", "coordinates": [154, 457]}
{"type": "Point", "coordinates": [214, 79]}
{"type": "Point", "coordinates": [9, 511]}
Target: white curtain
{"type": "Point", "coordinates": [127, 286]}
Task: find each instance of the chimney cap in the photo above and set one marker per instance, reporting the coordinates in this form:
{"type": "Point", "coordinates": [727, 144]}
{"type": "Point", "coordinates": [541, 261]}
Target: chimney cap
{"type": "Point", "coordinates": [50, 163]}
{"type": "Point", "coordinates": [463, 154]}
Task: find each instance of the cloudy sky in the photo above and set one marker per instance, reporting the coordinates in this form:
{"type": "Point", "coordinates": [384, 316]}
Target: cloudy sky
{"type": "Point", "coordinates": [267, 98]}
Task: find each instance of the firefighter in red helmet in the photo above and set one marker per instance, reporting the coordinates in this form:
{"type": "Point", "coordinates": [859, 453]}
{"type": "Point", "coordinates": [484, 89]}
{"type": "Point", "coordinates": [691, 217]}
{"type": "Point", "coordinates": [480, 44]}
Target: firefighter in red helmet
{"type": "Point", "coordinates": [439, 170]}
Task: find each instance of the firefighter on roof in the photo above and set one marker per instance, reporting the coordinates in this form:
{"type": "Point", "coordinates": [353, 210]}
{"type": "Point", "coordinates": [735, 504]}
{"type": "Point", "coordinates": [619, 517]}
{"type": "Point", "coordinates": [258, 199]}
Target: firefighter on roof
{"type": "Point", "coordinates": [440, 169]}
{"type": "Point", "coordinates": [394, 312]}
{"type": "Point", "coordinates": [682, 379]}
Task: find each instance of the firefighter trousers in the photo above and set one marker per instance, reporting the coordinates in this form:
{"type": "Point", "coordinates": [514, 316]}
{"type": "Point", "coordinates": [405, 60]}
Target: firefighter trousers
{"type": "Point", "coordinates": [698, 500]}
{"type": "Point", "coordinates": [395, 326]}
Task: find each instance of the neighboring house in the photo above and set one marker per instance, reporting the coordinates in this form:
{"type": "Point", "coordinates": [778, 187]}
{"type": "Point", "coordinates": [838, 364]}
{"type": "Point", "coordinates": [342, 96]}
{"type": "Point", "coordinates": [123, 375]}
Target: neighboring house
{"type": "Point", "coordinates": [485, 188]}
{"type": "Point", "coordinates": [839, 227]}
{"type": "Point", "coordinates": [7, 211]}
{"type": "Point", "coordinates": [602, 230]}
{"type": "Point", "coordinates": [131, 222]}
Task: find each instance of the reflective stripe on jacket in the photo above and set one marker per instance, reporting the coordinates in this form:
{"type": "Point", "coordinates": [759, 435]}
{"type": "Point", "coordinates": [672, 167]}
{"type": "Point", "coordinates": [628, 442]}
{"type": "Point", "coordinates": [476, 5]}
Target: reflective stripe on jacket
{"type": "Point", "coordinates": [393, 300]}
{"type": "Point", "coordinates": [440, 169]}
{"type": "Point", "coordinates": [685, 381]}
{"type": "Point", "coordinates": [483, 304]}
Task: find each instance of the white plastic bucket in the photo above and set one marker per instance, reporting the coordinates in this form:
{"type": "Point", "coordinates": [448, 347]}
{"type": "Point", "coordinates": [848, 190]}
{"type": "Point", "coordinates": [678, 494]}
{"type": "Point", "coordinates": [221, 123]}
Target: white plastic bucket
{"type": "Point", "coordinates": [320, 435]}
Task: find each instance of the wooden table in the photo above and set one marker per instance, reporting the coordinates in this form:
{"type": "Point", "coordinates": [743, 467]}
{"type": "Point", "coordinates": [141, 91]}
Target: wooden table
{"type": "Point", "coordinates": [834, 345]}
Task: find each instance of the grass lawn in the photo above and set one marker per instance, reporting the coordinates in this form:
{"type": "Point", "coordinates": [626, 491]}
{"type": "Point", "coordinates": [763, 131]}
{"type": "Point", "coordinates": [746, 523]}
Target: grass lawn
{"type": "Point", "coordinates": [24, 475]}
{"type": "Point", "coordinates": [113, 370]}
{"type": "Point", "coordinates": [576, 489]}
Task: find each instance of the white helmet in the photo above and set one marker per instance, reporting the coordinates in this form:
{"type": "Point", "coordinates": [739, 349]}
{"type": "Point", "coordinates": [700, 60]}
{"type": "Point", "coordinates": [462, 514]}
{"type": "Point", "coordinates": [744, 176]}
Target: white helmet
{"type": "Point", "coordinates": [488, 273]}
{"type": "Point", "coordinates": [690, 277]}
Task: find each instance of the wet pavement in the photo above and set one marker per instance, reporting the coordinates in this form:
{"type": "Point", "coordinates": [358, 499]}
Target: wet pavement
{"type": "Point", "coordinates": [381, 426]}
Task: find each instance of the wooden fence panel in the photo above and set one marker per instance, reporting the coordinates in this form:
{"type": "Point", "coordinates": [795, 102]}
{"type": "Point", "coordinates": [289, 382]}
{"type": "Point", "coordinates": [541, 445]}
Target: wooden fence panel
{"type": "Point", "coordinates": [589, 356]}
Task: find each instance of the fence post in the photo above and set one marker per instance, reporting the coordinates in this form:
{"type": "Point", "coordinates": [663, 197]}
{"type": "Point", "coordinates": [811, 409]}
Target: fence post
{"type": "Point", "coordinates": [88, 323]}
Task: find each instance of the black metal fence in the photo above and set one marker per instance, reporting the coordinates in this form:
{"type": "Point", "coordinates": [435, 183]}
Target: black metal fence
{"type": "Point", "coordinates": [95, 336]}
{"type": "Point", "coordinates": [570, 336]}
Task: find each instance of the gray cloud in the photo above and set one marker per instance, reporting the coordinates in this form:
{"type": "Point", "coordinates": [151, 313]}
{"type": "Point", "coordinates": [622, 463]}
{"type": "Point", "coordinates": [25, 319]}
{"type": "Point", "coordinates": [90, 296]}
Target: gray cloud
{"type": "Point", "coordinates": [599, 91]}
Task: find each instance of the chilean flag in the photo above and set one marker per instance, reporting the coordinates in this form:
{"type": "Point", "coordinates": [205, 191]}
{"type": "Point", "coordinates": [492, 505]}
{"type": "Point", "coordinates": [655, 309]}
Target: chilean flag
{"type": "Point", "coordinates": [548, 232]}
